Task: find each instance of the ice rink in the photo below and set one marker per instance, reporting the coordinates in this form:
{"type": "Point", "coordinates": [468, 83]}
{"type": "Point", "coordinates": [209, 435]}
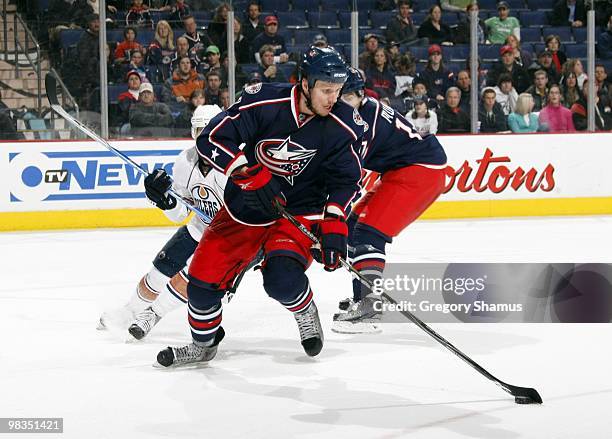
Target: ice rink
{"type": "Point", "coordinates": [401, 383]}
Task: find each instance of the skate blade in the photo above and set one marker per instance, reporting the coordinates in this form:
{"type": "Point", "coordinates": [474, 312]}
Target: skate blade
{"type": "Point", "coordinates": [356, 328]}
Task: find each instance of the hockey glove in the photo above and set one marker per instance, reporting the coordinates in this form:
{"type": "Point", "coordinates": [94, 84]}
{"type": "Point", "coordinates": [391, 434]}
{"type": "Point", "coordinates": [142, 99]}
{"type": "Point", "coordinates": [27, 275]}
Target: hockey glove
{"type": "Point", "coordinates": [259, 189]}
{"type": "Point", "coordinates": [333, 236]}
{"type": "Point", "coordinates": [157, 183]}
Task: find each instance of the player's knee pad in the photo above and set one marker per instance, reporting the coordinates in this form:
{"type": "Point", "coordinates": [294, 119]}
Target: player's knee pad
{"type": "Point", "coordinates": [174, 255]}
{"type": "Point", "coordinates": [284, 279]}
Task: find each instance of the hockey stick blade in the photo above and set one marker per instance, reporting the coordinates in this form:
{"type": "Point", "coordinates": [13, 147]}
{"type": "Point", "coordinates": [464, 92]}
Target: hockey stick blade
{"type": "Point", "coordinates": [522, 395]}
{"type": "Point", "coordinates": [51, 90]}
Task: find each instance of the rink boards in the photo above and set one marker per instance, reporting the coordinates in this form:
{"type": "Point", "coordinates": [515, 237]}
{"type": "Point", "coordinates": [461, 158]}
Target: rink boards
{"type": "Point", "coordinates": [79, 184]}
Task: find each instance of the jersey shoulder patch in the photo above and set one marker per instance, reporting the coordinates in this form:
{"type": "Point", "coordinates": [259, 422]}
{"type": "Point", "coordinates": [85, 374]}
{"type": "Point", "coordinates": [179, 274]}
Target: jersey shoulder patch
{"type": "Point", "coordinates": [264, 93]}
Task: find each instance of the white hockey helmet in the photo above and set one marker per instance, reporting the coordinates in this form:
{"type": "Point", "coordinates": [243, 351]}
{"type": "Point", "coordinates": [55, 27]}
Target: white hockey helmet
{"type": "Point", "coordinates": [202, 115]}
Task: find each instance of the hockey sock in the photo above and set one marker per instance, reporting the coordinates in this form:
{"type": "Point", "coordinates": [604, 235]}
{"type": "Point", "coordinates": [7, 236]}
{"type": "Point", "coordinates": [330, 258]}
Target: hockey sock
{"type": "Point", "coordinates": [173, 296]}
{"type": "Point", "coordinates": [368, 257]}
{"type": "Point", "coordinates": [147, 291]}
{"type": "Point", "coordinates": [204, 309]}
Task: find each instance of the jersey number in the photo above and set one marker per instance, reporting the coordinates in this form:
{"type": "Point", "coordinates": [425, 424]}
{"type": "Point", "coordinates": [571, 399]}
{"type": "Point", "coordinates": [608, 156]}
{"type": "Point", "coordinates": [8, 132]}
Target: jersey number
{"type": "Point", "coordinates": [407, 128]}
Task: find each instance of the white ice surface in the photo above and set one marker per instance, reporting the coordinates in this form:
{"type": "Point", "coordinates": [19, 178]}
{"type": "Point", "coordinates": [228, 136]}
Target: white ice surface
{"type": "Point", "coordinates": [53, 362]}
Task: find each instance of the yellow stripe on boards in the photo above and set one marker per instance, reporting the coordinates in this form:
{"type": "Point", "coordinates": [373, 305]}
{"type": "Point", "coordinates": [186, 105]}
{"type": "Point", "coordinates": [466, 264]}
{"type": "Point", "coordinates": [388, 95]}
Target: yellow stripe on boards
{"type": "Point", "coordinates": [90, 219]}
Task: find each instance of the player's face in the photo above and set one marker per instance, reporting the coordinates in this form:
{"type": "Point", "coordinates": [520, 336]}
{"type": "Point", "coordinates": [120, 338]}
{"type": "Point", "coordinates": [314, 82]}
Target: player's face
{"type": "Point", "coordinates": [352, 99]}
{"type": "Point", "coordinates": [323, 96]}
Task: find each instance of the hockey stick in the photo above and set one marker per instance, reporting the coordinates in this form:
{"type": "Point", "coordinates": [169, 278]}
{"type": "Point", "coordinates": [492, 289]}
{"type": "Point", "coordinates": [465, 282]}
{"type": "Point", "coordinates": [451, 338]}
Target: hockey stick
{"type": "Point", "coordinates": [51, 89]}
{"type": "Point", "coordinates": [522, 395]}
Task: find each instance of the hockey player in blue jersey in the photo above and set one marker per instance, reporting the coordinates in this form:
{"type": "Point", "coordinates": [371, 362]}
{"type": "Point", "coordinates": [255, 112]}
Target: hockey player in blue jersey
{"type": "Point", "coordinates": [412, 177]}
{"type": "Point", "coordinates": [299, 148]}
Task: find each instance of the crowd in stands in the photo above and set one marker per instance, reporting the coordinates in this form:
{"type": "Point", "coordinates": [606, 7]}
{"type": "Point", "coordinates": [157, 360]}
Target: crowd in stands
{"type": "Point", "coordinates": [526, 88]}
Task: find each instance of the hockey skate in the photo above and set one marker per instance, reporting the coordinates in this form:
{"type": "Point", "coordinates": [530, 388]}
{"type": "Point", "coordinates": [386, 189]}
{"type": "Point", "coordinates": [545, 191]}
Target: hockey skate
{"type": "Point", "coordinates": [359, 317]}
{"type": "Point", "coordinates": [192, 353]}
{"type": "Point", "coordinates": [115, 318]}
{"type": "Point", "coordinates": [144, 323]}
{"type": "Point", "coordinates": [311, 332]}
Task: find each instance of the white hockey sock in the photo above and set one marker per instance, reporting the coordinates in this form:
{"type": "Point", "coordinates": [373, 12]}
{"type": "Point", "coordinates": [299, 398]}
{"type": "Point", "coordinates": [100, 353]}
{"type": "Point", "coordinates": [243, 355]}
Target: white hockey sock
{"type": "Point", "coordinates": [137, 303]}
{"type": "Point", "coordinates": [167, 301]}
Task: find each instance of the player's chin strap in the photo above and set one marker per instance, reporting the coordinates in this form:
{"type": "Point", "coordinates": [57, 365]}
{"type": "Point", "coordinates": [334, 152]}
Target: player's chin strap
{"type": "Point", "coordinates": [522, 395]}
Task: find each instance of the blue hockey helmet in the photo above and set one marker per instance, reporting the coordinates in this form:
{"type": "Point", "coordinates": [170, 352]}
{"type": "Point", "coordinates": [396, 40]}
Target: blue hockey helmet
{"type": "Point", "coordinates": [323, 64]}
{"type": "Point", "coordinates": [354, 82]}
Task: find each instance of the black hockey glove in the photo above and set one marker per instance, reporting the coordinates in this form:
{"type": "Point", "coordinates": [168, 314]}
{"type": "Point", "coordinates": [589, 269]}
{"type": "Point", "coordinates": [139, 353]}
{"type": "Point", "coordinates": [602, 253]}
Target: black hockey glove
{"type": "Point", "coordinates": [333, 236]}
{"type": "Point", "coordinates": [259, 189]}
{"type": "Point", "coordinates": [157, 183]}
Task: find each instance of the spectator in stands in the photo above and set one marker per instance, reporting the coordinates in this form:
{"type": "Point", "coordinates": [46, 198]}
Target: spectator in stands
{"type": "Point", "coordinates": [162, 51]}
{"type": "Point", "coordinates": [539, 90]}
{"type": "Point", "coordinates": [523, 120]}
{"type": "Point", "coordinates": [320, 40]}
{"type": "Point", "coordinates": [213, 60]}
{"type": "Point", "coordinates": [366, 58]}
{"type": "Point", "coordinates": [505, 93]}
{"type": "Point", "coordinates": [568, 13]}
{"type": "Point", "coordinates": [491, 117]}
{"type": "Point", "coordinates": [401, 28]}
{"type": "Point", "coordinates": [129, 97]}
{"type": "Point", "coordinates": [509, 66]}
{"type": "Point", "coordinates": [270, 36]}
{"type": "Point", "coordinates": [159, 5]}
{"type": "Point", "coordinates": [81, 10]}
{"type": "Point", "coordinates": [574, 65]}
{"type": "Point", "coordinates": [602, 82]}
{"type": "Point", "coordinates": [269, 71]}
{"type": "Point", "coordinates": [425, 121]}
{"type": "Point", "coordinates": [545, 62]}
{"type": "Point", "coordinates": [239, 74]}
{"type": "Point", "coordinates": [380, 77]}
{"type": "Point", "coordinates": [224, 98]}
{"type": "Point", "coordinates": [434, 29]}
{"type": "Point", "coordinates": [464, 84]}
{"type": "Point", "coordinates": [182, 123]}
{"type": "Point", "coordinates": [183, 82]}
{"type": "Point", "coordinates": [139, 16]}
{"type": "Point", "coordinates": [569, 90]}
{"type": "Point", "coordinates": [553, 44]}
{"type": "Point", "coordinates": [483, 73]}
{"type": "Point", "coordinates": [451, 118]}
{"type": "Point", "coordinates": [498, 28]}
{"type": "Point", "coordinates": [88, 50]}
{"type": "Point", "coordinates": [405, 73]}
{"type": "Point", "coordinates": [137, 65]}
{"type": "Point", "coordinates": [419, 93]}
{"type": "Point", "coordinates": [216, 29]}
{"type": "Point", "coordinates": [149, 118]}
{"type": "Point", "coordinates": [392, 50]}
{"type": "Point", "coordinates": [179, 12]}
{"type": "Point", "coordinates": [603, 114]}
{"type": "Point", "coordinates": [522, 57]}
{"type": "Point", "coordinates": [242, 46]}
{"type": "Point", "coordinates": [604, 43]}
{"type": "Point", "coordinates": [462, 33]}
{"type": "Point", "coordinates": [182, 50]}
{"type": "Point", "coordinates": [554, 117]}
{"type": "Point", "coordinates": [253, 26]}
{"type": "Point", "coordinates": [213, 88]}
{"type": "Point", "coordinates": [197, 41]}
{"type": "Point", "coordinates": [129, 43]}
{"type": "Point", "coordinates": [254, 78]}
{"type": "Point", "coordinates": [436, 75]}
{"type": "Point", "coordinates": [8, 131]}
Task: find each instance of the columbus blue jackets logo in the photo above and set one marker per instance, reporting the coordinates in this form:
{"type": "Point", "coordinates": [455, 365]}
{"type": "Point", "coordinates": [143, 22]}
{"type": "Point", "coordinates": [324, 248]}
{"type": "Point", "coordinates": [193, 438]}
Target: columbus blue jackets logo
{"type": "Point", "coordinates": [284, 158]}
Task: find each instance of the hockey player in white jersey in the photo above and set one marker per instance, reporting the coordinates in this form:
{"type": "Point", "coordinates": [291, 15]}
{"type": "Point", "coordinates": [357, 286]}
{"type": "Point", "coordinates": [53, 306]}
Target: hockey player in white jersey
{"type": "Point", "coordinates": [164, 287]}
